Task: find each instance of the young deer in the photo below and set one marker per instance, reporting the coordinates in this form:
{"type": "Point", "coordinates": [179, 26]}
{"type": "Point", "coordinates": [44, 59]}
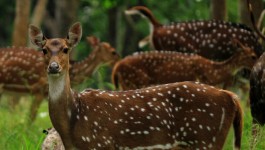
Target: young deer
{"type": "Point", "coordinates": [160, 67]}
{"type": "Point", "coordinates": [22, 70]}
{"type": "Point", "coordinates": [209, 39]}
{"type": "Point", "coordinates": [103, 53]}
{"type": "Point", "coordinates": [181, 115]}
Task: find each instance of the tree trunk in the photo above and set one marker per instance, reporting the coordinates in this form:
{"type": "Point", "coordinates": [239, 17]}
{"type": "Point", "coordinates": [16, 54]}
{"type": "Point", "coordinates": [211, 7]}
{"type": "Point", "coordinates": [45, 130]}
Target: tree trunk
{"type": "Point", "coordinates": [39, 12]}
{"type": "Point", "coordinates": [130, 35]}
{"type": "Point", "coordinates": [20, 32]}
{"type": "Point", "coordinates": [218, 9]}
{"type": "Point", "coordinates": [257, 6]}
{"type": "Point", "coordinates": [112, 26]}
{"type": "Point", "coordinates": [65, 15]}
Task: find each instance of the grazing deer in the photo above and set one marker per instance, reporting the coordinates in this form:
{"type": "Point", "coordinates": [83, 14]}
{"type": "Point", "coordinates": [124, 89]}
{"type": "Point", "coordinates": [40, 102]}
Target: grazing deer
{"type": "Point", "coordinates": [183, 115]}
{"type": "Point", "coordinates": [22, 70]}
{"type": "Point", "coordinates": [209, 39]}
{"type": "Point", "coordinates": [159, 67]}
{"type": "Point", "coordinates": [257, 86]}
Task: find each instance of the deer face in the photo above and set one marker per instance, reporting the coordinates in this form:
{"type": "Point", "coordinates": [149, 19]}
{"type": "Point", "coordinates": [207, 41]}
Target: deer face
{"type": "Point", "coordinates": [108, 53]}
{"type": "Point", "coordinates": [104, 51]}
{"type": "Point", "coordinates": [56, 50]}
{"type": "Point", "coordinates": [56, 53]}
{"type": "Point", "coordinates": [247, 56]}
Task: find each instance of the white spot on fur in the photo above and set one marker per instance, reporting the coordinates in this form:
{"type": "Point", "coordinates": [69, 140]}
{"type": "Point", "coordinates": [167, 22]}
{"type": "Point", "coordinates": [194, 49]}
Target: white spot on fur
{"type": "Point", "coordinates": [222, 119]}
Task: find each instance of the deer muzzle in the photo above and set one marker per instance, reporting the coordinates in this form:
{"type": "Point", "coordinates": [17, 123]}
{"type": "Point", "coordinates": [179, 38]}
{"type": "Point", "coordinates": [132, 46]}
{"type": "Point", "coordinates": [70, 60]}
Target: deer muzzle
{"type": "Point", "coordinates": [53, 68]}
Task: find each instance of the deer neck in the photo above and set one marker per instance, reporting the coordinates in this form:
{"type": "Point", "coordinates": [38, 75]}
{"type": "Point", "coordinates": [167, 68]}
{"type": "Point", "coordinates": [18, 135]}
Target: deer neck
{"type": "Point", "coordinates": [220, 71]}
{"type": "Point", "coordinates": [81, 70]}
{"type": "Point", "coordinates": [61, 102]}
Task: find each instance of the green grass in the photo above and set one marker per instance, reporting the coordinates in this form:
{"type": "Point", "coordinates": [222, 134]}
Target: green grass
{"type": "Point", "coordinates": [16, 135]}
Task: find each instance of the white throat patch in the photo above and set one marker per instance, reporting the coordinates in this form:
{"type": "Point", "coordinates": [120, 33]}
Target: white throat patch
{"type": "Point", "coordinates": [56, 87]}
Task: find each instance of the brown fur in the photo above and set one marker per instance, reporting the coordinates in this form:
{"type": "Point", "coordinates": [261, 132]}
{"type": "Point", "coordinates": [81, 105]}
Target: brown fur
{"type": "Point", "coordinates": [183, 115]}
{"type": "Point", "coordinates": [22, 69]}
{"type": "Point", "coordinates": [160, 67]}
{"type": "Point", "coordinates": [210, 39]}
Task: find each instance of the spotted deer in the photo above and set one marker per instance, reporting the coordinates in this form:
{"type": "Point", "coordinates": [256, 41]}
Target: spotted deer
{"type": "Point", "coordinates": [22, 70]}
{"type": "Point", "coordinates": [210, 39]}
{"type": "Point", "coordinates": [183, 115]}
{"type": "Point", "coordinates": [159, 67]}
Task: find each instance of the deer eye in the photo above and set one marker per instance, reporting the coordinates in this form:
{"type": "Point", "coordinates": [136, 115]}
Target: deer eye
{"type": "Point", "coordinates": [65, 50]}
{"type": "Point", "coordinates": [113, 53]}
{"type": "Point", "coordinates": [253, 57]}
{"type": "Point", "coordinates": [45, 51]}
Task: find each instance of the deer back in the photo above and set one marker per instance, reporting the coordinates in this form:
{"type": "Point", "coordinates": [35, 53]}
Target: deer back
{"type": "Point", "coordinates": [152, 68]}
{"type": "Point", "coordinates": [160, 67]}
{"type": "Point", "coordinates": [179, 114]}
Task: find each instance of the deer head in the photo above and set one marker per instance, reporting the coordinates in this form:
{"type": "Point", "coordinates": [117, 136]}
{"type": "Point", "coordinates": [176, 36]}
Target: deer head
{"type": "Point", "coordinates": [105, 51]}
{"type": "Point", "coordinates": [53, 49]}
{"type": "Point", "coordinates": [246, 56]}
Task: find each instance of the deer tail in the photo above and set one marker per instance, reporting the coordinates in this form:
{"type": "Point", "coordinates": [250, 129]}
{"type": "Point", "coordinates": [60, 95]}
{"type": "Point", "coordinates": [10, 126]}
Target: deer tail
{"type": "Point", "coordinates": [238, 121]}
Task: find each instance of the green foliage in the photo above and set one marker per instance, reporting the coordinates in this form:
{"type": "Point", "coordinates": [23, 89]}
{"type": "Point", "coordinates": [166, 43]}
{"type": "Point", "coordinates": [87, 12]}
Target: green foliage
{"type": "Point", "coordinates": [15, 134]}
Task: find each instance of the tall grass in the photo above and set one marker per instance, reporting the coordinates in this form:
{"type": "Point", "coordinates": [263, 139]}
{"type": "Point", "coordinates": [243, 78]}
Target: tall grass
{"type": "Point", "coordinates": [15, 134]}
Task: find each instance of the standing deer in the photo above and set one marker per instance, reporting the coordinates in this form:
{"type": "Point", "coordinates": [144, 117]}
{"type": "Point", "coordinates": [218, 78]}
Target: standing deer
{"type": "Point", "coordinates": [183, 115]}
{"type": "Point", "coordinates": [22, 70]}
{"type": "Point", "coordinates": [159, 67]}
{"type": "Point", "coordinates": [209, 39]}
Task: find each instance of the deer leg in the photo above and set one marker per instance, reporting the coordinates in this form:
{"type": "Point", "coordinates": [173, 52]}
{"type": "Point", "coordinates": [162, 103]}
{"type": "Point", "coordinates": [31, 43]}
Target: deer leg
{"type": "Point", "coordinates": [13, 101]}
{"type": "Point", "coordinates": [38, 98]}
{"type": "Point", "coordinates": [1, 90]}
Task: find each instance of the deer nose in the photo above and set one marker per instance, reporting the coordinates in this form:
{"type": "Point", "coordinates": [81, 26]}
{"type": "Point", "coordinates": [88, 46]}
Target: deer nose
{"type": "Point", "coordinates": [54, 67]}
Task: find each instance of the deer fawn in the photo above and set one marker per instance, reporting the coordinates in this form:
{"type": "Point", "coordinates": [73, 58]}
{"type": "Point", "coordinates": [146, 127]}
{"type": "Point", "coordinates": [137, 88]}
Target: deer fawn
{"type": "Point", "coordinates": [160, 67]}
{"type": "Point", "coordinates": [22, 70]}
{"type": "Point", "coordinates": [103, 53]}
{"type": "Point", "coordinates": [179, 115]}
{"type": "Point", "coordinates": [209, 39]}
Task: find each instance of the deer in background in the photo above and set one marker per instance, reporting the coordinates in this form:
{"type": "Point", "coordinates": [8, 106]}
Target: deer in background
{"type": "Point", "coordinates": [159, 67]}
{"type": "Point", "coordinates": [209, 39]}
{"type": "Point", "coordinates": [103, 53]}
{"type": "Point", "coordinates": [22, 70]}
{"type": "Point", "coordinates": [183, 115]}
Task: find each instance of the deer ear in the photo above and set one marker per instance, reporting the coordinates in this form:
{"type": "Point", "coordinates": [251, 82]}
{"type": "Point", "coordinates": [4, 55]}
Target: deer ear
{"type": "Point", "coordinates": [74, 34]}
{"type": "Point", "coordinates": [237, 44]}
{"type": "Point", "coordinates": [92, 40]}
{"type": "Point", "coordinates": [36, 36]}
